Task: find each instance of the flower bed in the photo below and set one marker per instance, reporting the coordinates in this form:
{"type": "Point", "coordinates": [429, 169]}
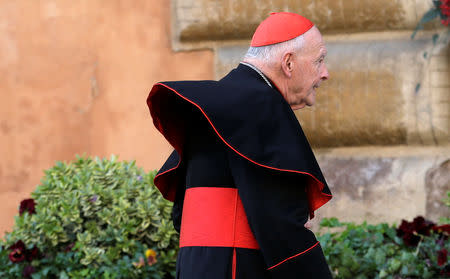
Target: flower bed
{"type": "Point", "coordinates": [417, 249]}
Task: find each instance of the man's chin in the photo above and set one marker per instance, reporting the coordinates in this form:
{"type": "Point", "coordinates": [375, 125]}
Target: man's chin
{"type": "Point", "coordinates": [299, 106]}
{"type": "Point", "coordinates": [310, 100]}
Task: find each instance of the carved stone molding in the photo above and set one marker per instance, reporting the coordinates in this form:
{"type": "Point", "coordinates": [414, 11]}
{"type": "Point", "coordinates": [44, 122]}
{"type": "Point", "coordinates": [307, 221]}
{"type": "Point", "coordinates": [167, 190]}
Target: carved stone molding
{"type": "Point", "coordinates": [213, 20]}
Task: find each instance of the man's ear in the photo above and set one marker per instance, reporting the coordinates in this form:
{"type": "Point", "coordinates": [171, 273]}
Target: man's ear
{"type": "Point", "coordinates": [287, 64]}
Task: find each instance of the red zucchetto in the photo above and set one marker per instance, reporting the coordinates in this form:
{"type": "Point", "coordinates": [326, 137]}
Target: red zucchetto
{"type": "Point", "coordinates": [280, 27]}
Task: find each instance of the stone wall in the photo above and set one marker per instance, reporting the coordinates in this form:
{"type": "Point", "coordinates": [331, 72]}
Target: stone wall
{"type": "Point", "coordinates": [381, 123]}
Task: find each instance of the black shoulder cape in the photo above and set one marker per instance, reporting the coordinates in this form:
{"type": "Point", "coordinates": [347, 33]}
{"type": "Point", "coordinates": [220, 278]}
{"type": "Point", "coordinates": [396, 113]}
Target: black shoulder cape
{"type": "Point", "coordinates": [250, 117]}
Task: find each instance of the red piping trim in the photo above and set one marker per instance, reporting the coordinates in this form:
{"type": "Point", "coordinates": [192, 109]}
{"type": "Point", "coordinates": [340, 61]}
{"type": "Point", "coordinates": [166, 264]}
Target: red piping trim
{"type": "Point", "coordinates": [233, 271]}
{"type": "Point", "coordinates": [235, 218]}
{"type": "Point", "coordinates": [158, 175]}
{"type": "Point", "coordinates": [242, 155]}
{"type": "Point", "coordinates": [294, 256]}
{"type": "Point", "coordinates": [169, 169]}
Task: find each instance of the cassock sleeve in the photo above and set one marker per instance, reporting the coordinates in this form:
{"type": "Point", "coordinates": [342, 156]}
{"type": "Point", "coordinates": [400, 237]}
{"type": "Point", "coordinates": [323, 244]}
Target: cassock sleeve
{"type": "Point", "coordinates": [277, 209]}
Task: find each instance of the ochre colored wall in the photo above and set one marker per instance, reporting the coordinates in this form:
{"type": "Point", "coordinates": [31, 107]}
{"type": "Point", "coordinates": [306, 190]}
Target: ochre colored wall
{"type": "Point", "coordinates": [74, 77]}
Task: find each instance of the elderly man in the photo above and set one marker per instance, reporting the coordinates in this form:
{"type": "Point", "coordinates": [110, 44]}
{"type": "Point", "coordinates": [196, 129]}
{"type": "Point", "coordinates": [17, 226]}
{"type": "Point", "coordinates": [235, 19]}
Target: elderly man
{"type": "Point", "coordinates": [243, 178]}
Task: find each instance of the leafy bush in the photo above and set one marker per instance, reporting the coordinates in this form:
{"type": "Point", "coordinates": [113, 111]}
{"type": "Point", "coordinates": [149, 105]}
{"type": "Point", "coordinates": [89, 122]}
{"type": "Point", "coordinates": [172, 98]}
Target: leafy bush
{"type": "Point", "coordinates": [415, 249]}
{"type": "Point", "coordinates": [446, 219]}
{"type": "Point", "coordinates": [92, 218]}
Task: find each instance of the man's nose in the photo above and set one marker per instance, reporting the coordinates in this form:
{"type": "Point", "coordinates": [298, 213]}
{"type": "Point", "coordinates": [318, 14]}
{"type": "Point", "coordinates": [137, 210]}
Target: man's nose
{"type": "Point", "coordinates": [324, 75]}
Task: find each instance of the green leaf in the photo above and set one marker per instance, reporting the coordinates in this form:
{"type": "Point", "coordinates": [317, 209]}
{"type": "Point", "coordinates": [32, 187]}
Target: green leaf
{"type": "Point", "coordinates": [379, 238]}
{"type": "Point", "coordinates": [330, 222]}
{"type": "Point", "coordinates": [416, 90]}
{"type": "Point", "coordinates": [394, 265]}
{"type": "Point", "coordinates": [428, 16]}
{"type": "Point", "coordinates": [436, 3]}
{"type": "Point", "coordinates": [435, 38]}
{"type": "Point", "coordinates": [383, 274]}
{"type": "Point", "coordinates": [391, 233]}
{"type": "Point", "coordinates": [380, 257]}
{"type": "Point", "coordinates": [45, 271]}
{"type": "Point", "coordinates": [63, 275]}
{"type": "Point", "coordinates": [404, 270]}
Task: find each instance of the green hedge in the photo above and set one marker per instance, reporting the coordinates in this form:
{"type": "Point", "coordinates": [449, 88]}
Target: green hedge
{"type": "Point", "coordinates": [99, 218]}
{"type": "Point", "coordinates": [92, 218]}
{"type": "Point", "coordinates": [416, 249]}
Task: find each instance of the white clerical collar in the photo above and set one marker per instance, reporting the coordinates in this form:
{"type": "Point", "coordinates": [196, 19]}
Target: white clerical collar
{"type": "Point", "coordinates": [258, 71]}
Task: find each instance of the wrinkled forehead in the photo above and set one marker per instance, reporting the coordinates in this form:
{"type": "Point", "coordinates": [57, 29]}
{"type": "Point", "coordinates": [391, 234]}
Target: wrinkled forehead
{"type": "Point", "coordinates": [314, 42]}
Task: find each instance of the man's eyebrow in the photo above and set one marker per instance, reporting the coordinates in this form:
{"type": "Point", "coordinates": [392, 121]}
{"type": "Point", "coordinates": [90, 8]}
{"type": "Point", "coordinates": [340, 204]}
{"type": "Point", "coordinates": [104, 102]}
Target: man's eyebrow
{"type": "Point", "coordinates": [322, 55]}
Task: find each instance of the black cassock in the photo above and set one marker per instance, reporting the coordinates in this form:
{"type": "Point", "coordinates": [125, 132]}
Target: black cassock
{"type": "Point", "coordinates": [243, 179]}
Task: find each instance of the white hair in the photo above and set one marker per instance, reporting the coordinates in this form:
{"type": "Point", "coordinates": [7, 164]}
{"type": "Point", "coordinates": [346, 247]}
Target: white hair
{"type": "Point", "coordinates": [271, 53]}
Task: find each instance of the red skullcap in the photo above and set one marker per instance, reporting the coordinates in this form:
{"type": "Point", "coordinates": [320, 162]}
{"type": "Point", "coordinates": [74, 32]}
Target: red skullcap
{"type": "Point", "coordinates": [280, 27]}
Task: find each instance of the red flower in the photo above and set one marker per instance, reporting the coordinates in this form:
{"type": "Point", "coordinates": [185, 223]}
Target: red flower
{"type": "Point", "coordinates": [27, 271]}
{"type": "Point", "coordinates": [27, 205]}
{"type": "Point", "coordinates": [443, 232]}
{"type": "Point", "coordinates": [442, 229]}
{"type": "Point", "coordinates": [69, 247]}
{"type": "Point", "coordinates": [20, 253]}
{"type": "Point", "coordinates": [445, 12]}
{"type": "Point", "coordinates": [17, 256]}
{"type": "Point", "coordinates": [419, 225]}
{"type": "Point", "coordinates": [31, 254]}
{"type": "Point", "coordinates": [422, 226]}
{"type": "Point", "coordinates": [18, 245]}
{"type": "Point", "coordinates": [445, 7]}
{"type": "Point", "coordinates": [410, 231]}
{"type": "Point", "coordinates": [442, 257]}
{"type": "Point", "coordinates": [411, 239]}
{"type": "Point", "coordinates": [405, 227]}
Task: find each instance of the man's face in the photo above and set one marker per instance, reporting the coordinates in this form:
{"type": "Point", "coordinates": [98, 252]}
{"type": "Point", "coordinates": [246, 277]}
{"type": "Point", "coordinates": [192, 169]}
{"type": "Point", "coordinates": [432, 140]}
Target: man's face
{"type": "Point", "coordinates": [308, 71]}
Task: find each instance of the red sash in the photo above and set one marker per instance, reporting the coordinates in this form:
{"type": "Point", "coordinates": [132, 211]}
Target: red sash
{"type": "Point", "coordinates": [215, 216]}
